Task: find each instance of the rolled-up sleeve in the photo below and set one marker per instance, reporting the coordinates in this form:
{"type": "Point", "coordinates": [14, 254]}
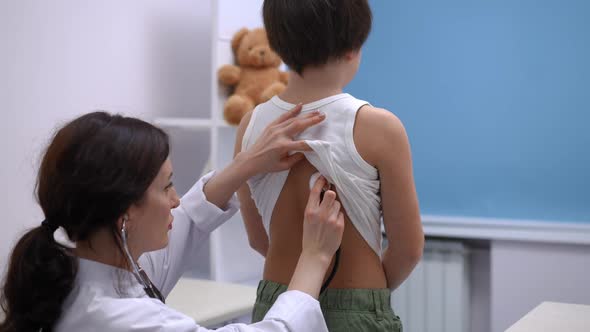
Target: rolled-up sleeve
{"type": "Point", "coordinates": [204, 214]}
{"type": "Point", "coordinates": [299, 311]}
{"type": "Point", "coordinates": [293, 311]}
{"type": "Point", "coordinates": [194, 219]}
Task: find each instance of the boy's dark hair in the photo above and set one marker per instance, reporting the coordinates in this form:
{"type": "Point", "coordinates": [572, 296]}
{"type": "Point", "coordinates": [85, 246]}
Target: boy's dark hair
{"type": "Point", "coordinates": [312, 32]}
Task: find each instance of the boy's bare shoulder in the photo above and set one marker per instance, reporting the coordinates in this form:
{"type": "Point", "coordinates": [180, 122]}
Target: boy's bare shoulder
{"type": "Point", "coordinates": [245, 121]}
{"type": "Point", "coordinates": [241, 131]}
{"type": "Point", "coordinates": [378, 119]}
{"type": "Point", "coordinates": [376, 132]}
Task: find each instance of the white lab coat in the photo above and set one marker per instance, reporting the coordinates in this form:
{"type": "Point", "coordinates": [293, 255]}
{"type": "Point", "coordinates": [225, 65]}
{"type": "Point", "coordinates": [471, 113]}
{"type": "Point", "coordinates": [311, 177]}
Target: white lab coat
{"type": "Point", "coordinates": [105, 298]}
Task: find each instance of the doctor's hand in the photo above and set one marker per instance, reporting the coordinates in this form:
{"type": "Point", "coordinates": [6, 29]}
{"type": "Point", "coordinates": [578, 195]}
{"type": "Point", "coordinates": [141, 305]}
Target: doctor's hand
{"type": "Point", "coordinates": [273, 149]}
{"type": "Point", "coordinates": [323, 227]}
{"type": "Point", "coordinates": [270, 153]}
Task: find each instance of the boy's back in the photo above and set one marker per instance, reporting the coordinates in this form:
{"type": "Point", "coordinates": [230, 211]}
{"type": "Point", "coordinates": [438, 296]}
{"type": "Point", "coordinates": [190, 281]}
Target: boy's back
{"type": "Point", "coordinates": [281, 197]}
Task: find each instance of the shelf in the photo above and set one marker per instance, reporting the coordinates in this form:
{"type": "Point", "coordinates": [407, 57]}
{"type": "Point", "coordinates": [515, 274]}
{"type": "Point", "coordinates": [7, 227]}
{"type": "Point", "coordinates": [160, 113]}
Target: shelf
{"type": "Point", "coordinates": [191, 123]}
{"type": "Point", "coordinates": [184, 122]}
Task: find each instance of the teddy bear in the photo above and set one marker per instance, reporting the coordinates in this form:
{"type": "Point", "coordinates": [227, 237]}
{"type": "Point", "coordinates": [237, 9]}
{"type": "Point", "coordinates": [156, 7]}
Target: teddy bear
{"type": "Point", "coordinates": [256, 78]}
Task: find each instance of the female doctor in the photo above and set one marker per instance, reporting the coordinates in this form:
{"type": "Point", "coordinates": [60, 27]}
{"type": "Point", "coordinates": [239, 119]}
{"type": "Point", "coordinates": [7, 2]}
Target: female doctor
{"type": "Point", "coordinates": [116, 238]}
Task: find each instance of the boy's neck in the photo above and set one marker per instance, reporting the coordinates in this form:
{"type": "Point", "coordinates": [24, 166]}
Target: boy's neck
{"type": "Point", "coordinates": [315, 84]}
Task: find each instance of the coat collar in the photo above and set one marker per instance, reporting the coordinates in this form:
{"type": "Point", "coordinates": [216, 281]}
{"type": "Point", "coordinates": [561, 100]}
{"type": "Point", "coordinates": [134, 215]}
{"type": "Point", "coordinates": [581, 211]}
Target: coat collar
{"type": "Point", "coordinates": [111, 280]}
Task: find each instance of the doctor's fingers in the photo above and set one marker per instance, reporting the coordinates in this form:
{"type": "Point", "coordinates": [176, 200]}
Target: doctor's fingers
{"type": "Point", "coordinates": [291, 160]}
{"type": "Point", "coordinates": [313, 201]}
{"type": "Point", "coordinates": [327, 202]}
{"type": "Point", "coordinates": [281, 135]}
{"type": "Point", "coordinates": [299, 117]}
{"type": "Point", "coordinates": [296, 146]}
{"type": "Point", "coordinates": [334, 211]}
{"type": "Point", "coordinates": [286, 128]}
{"type": "Point", "coordinates": [300, 124]}
{"type": "Point", "coordinates": [288, 115]}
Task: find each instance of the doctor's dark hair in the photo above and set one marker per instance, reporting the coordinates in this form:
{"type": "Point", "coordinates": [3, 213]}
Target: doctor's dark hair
{"type": "Point", "coordinates": [312, 32]}
{"type": "Point", "coordinates": [94, 169]}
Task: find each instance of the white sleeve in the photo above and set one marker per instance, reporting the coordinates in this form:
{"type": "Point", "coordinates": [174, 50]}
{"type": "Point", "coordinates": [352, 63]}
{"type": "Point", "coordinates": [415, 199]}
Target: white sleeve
{"type": "Point", "coordinates": [294, 311]}
{"type": "Point", "coordinates": [194, 220]}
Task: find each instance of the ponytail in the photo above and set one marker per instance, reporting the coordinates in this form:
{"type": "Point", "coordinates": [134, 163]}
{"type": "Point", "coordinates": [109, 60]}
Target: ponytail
{"type": "Point", "coordinates": [40, 276]}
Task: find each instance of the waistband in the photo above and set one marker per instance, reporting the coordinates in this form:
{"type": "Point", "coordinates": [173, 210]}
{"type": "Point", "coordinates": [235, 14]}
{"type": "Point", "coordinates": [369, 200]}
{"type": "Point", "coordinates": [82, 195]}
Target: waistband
{"type": "Point", "coordinates": [350, 299]}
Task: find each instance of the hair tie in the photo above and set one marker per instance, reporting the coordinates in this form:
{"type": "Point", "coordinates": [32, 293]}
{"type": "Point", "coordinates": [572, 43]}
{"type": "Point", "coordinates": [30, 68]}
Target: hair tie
{"type": "Point", "coordinates": [49, 225]}
{"type": "Point", "coordinates": [60, 235]}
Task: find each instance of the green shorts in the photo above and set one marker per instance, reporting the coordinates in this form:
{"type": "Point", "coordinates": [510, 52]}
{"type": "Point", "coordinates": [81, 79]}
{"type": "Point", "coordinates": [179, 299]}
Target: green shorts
{"type": "Point", "coordinates": [356, 310]}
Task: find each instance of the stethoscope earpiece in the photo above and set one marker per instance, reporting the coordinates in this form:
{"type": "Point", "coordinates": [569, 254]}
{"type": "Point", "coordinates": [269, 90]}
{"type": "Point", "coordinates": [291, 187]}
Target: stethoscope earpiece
{"type": "Point", "coordinates": [150, 289]}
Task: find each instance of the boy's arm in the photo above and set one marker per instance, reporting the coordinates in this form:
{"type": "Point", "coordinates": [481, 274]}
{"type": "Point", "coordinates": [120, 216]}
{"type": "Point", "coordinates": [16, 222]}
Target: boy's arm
{"type": "Point", "coordinates": [252, 220]}
{"type": "Point", "coordinates": [388, 149]}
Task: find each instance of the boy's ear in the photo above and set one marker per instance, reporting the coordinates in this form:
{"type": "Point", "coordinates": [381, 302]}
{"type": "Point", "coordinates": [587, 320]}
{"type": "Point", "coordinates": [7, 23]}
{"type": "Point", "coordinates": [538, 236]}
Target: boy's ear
{"type": "Point", "coordinates": [351, 55]}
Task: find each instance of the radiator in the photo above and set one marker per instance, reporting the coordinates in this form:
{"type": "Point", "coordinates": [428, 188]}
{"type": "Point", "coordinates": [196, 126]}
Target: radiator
{"type": "Point", "coordinates": [435, 298]}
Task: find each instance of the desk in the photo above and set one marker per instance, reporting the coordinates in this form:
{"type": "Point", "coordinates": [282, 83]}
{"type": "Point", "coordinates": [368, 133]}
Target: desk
{"type": "Point", "coordinates": [211, 303]}
{"type": "Point", "coordinates": [553, 316]}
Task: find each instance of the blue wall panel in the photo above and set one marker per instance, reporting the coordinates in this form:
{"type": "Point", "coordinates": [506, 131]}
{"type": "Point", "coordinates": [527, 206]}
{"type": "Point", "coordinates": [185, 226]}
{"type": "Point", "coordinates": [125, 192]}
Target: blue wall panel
{"type": "Point", "coordinates": [495, 96]}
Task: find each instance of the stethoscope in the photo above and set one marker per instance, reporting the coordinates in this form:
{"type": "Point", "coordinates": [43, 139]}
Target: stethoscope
{"type": "Point", "coordinates": [150, 289]}
{"type": "Point", "coordinates": [332, 273]}
{"type": "Point", "coordinates": [337, 255]}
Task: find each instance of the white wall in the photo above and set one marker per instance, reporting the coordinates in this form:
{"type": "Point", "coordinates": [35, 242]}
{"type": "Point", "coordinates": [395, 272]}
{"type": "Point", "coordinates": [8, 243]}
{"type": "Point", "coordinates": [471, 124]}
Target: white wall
{"type": "Point", "coordinates": [61, 58]}
{"type": "Point", "coordinates": [525, 274]}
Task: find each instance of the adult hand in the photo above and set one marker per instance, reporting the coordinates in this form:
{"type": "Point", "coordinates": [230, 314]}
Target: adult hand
{"type": "Point", "coordinates": [273, 150]}
{"type": "Point", "coordinates": [323, 223]}
{"type": "Point", "coordinates": [323, 227]}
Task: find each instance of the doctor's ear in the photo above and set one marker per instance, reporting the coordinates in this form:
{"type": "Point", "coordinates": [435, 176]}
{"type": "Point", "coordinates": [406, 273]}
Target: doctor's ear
{"type": "Point", "coordinates": [123, 222]}
{"type": "Point", "coordinates": [130, 214]}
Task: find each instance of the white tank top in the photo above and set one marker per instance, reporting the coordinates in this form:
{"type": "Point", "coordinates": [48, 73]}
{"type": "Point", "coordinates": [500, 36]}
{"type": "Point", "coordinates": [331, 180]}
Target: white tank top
{"type": "Point", "coordinates": [334, 155]}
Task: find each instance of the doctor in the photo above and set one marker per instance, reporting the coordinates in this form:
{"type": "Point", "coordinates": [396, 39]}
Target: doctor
{"type": "Point", "coordinates": [116, 237]}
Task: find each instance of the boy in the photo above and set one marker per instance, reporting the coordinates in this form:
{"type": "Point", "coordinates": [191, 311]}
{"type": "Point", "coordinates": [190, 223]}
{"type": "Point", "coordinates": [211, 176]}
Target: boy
{"type": "Point", "coordinates": [364, 153]}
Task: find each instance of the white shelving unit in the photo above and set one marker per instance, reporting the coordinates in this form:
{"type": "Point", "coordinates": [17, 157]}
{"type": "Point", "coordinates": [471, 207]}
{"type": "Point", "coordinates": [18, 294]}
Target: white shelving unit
{"type": "Point", "coordinates": [230, 257]}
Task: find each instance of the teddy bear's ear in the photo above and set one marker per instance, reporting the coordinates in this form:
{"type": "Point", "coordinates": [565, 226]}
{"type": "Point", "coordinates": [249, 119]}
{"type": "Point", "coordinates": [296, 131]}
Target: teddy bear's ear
{"type": "Point", "coordinates": [237, 39]}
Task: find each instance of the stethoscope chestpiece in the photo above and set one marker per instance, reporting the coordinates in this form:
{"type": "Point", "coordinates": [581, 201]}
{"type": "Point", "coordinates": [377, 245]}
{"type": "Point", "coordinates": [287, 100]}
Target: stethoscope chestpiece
{"type": "Point", "coordinates": [314, 178]}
